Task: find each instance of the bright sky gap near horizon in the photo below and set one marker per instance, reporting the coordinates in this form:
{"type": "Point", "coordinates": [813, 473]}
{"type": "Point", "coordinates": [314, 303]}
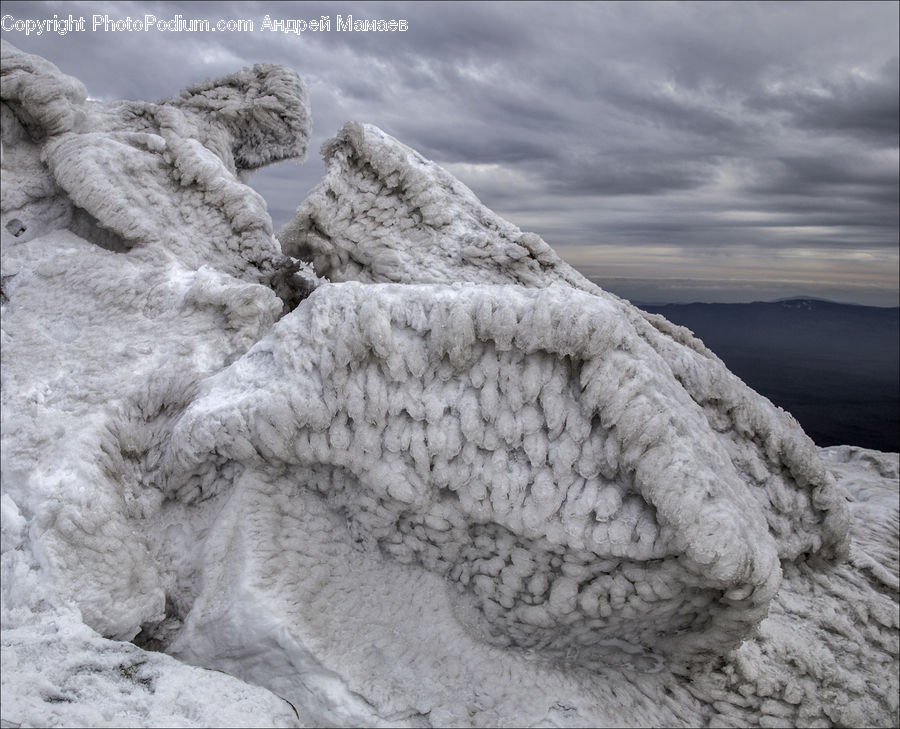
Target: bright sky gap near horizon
{"type": "Point", "coordinates": [671, 151]}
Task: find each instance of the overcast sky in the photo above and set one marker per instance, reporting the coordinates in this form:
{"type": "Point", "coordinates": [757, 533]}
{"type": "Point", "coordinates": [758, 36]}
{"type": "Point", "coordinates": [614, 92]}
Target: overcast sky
{"type": "Point", "coordinates": [673, 152]}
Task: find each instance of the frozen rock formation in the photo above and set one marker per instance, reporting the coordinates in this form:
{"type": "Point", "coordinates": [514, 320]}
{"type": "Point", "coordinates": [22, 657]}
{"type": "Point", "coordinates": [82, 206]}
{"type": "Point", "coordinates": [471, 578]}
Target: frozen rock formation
{"type": "Point", "coordinates": [522, 442]}
{"type": "Point", "coordinates": [440, 233]}
{"type": "Point", "coordinates": [402, 465]}
{"type": "Point", "coordinates": [156, 183]}
{"type": "Point", "coordinates": [150, 176]}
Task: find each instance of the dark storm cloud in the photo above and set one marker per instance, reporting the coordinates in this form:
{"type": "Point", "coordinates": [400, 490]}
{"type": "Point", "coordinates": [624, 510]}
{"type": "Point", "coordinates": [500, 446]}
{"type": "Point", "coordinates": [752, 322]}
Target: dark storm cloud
{"type": "Point", "coordinates": [698, 126]}
{"type": "Point", "coordinates": [635, 174]}
{"type": "Point", "coordinates": [862, 106]}
{"type": "Point", "coordinates": [825, 177]}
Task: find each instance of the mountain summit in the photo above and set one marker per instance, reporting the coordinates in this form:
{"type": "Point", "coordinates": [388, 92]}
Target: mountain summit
{"type": "Point", "coordinates": [398, 465]}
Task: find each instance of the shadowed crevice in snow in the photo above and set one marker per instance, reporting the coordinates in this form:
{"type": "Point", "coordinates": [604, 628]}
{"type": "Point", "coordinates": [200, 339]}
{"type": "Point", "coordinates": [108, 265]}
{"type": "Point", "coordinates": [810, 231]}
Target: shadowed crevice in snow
{"type": "Point", "coordinates": [84, 225]}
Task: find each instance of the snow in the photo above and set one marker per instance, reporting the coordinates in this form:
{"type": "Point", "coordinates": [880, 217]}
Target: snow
{"type": "Point", "coordinates": [399, 465]}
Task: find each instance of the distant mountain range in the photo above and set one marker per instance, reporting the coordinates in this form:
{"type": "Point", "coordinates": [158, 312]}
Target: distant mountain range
{"type": "Point", "coordinates": [834, 367]}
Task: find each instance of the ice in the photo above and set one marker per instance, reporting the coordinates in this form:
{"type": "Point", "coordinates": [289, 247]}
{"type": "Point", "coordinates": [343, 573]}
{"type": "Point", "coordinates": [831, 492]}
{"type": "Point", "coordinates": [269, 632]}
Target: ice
{"type": "Point", "coordinates": [60, 673]}
{"type": "Point", "coordinates": [401, 465]}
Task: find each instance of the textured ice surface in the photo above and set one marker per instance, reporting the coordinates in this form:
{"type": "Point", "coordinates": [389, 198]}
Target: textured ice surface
{"type": "Point", "coordinates": [438, 232]}
{"type": "Point", "coordinates": [521, 442]}
{"type": "Point", "coordinates": [443, 480]}
{"type": "Point", "coordinates": [151, 176]}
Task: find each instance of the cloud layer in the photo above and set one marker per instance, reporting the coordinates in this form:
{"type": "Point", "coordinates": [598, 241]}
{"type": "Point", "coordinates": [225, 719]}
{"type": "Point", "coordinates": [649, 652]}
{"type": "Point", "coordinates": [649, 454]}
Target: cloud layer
{"type": "Point", "coordinates": [747, 147]}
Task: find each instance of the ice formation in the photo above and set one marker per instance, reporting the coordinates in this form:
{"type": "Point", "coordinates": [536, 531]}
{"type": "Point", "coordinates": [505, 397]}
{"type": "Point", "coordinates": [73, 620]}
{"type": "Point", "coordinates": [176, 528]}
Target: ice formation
{"type": "Point", "coordinates": [399, 465]}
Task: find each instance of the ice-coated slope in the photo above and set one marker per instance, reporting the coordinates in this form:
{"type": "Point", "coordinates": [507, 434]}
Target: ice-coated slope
{"type": "Point", "coordinates": [385, 214]}
{"type": "Point", "coordinates": [450, 482]}
{"type": "Point", "coordinates": [492, 434]}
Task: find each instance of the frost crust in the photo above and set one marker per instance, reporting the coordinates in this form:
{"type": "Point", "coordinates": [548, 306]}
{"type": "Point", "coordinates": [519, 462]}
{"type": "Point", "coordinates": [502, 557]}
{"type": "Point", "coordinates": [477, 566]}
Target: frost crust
{"type": "Point", "coordinates": [400, 466]}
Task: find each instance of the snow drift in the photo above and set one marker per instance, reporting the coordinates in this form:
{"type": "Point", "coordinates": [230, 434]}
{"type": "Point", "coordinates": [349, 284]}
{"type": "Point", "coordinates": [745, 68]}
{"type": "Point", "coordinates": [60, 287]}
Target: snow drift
{"type": "Point", "coordinates": [400, 464]}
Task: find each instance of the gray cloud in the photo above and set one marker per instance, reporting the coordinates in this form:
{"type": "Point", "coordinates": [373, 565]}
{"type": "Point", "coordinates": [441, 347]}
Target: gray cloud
{"type": "Point", "coordinates": [849, 176]}
{"type": "Point", "coordinates": [636, 174]}
{"type": "Point", "coordinates": [860, 104]}
{"type": "Point", "coordinates": [632, 126]}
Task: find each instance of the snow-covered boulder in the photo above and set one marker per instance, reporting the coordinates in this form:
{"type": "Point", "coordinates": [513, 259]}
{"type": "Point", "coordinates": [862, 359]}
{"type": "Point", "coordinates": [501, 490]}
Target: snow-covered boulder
{"type": "Point", "coordinates": [117, 225]}
{"type": "Point", "coordinates": [150, 176]}
{"type": "Point", "coordinates": [385, 214]}
{"type": "Point", "coordinates": [402, 466]}
{"type": "Point", "coordinates": [524, 443]}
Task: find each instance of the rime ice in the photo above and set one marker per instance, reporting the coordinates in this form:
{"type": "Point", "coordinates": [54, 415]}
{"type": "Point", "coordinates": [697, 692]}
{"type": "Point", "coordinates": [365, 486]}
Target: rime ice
{"type": "Point", "coordinates": [399, 465]}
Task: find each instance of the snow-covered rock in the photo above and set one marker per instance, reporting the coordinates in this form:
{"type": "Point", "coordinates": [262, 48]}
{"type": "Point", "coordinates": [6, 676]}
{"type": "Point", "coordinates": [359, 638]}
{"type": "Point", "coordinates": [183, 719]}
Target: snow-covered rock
{"type": "Point", "coordinates": [400, 466]}
{"type": "Point", "coordinates": [150, 176]}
